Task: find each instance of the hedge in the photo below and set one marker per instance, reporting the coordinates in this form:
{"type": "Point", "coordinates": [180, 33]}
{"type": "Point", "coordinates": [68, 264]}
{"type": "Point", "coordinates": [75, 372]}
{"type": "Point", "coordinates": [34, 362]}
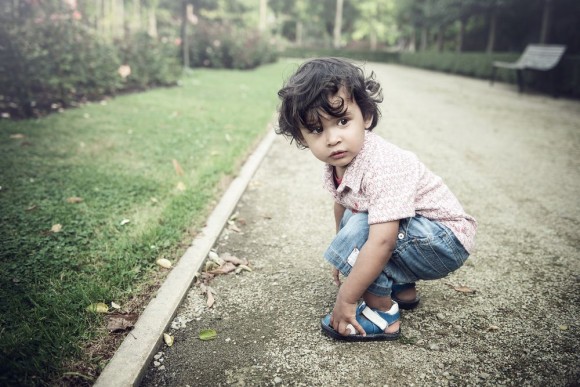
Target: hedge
{"type": "Point", "coordinates": [472, 64]}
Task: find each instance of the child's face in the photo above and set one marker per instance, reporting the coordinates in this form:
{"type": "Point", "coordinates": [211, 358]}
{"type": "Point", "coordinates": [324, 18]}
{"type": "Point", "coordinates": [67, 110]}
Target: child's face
{"type": "Point", "coordinates": [339, 139]}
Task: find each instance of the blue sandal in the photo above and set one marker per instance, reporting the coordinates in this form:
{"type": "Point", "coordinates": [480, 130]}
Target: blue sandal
{"type": "Point", "coordinates": [373, 321]}
{"type": "Point", "coordinates": [397, 288]}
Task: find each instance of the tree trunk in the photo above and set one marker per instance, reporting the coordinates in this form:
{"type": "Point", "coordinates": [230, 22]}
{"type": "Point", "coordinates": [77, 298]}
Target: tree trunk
{"type": "Point", "coordinates": [299, 32]}
{"type": "Point", "coordinates": [184, 36]}
{"type": "Point", "coordinates": [152, 22]}
{"type": "Point", "coordinates": [461, 35]}
{"type": "Point", "coordinates": [373, 41]}
{"type": "Point", "coordinates": [338, 23]}
{"type": "Point", "coordinates": [492, 31]}
{"type": "Point", "coordinates": [440, 38]}
{"type": "Point", "coordinates": [413, 42]}
{"type": "Point", "coordinates": [263, 15]}
{"type": "Point", "coordinates": [424, 37]}
{"type": "Point", "coordinates": [546, 22]}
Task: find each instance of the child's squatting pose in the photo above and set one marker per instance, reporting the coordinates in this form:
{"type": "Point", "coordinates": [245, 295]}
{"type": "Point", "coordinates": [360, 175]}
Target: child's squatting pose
{"type": "Point", "coordinates": [396, 221]}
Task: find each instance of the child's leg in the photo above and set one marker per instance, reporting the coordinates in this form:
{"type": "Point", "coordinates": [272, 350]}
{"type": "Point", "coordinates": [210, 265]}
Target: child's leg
{"type": "Point", "coordinates": [342, 254]}
{"type": "Point", "coordinates": [425, 250]}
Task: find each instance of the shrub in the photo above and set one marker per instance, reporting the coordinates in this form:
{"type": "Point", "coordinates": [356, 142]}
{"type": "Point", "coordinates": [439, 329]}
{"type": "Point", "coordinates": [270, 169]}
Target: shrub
{"type": "Point", "coordinates": [58, 62]}
{"type": "Point", "coordinates": [152, 62]}
{"type": "Point", "coordinates": [226, 46]}
{"type": "Point", "coordinates": [360, 55]}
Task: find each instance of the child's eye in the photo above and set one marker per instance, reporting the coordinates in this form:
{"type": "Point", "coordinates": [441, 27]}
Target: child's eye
{"type": "Point", "coordinates": [343, 121]}
{"type": "Point", "coordinates": [317, 130]}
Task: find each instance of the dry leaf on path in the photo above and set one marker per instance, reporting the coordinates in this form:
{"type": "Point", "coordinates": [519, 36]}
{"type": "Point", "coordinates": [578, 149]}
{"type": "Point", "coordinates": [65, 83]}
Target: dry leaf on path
{"type": "Point", "coordinates": [121, 322]}
{"type": "Point", "coordinates": [115, 305]}
{"type": "Point", "coordinates": [210, 299]}
{"type": "Point", "coordinates": [234, 228]}
{"type": "Point", "coordinates": [227, 257]}
{"type": "Point", "coordinates": [168, 339]}
{"type": "Point", "coordinates": [226, 268]}
{"type": "Point", "coordinates": [462, 289]}
{"type": "Point", "coordinates": [74, 199]}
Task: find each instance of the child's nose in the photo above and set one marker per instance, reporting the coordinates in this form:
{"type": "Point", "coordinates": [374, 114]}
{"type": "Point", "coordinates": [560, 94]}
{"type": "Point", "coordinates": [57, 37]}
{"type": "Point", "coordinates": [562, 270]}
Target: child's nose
{"type": "Point", "coordinates": [332, 136]}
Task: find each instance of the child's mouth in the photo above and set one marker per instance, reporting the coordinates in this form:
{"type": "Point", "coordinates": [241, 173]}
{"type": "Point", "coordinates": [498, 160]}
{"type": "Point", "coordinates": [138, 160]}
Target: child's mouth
{"type": "Point", "coordinates": [338, 155]}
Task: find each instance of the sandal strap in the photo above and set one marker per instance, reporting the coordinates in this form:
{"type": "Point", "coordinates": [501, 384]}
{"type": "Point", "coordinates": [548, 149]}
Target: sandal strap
{"type": "Point", "coordinates": [375, 318]}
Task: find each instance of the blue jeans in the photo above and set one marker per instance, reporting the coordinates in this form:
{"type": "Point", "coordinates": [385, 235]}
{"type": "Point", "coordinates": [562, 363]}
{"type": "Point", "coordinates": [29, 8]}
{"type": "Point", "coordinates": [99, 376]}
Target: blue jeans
{"type": "Point", "coordinates": [425, 250]}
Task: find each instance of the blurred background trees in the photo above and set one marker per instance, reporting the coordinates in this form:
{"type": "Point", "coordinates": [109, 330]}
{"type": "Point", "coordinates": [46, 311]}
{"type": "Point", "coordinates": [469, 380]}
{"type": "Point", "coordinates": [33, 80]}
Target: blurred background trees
{"type": "Point", "coordinates": [60, 52]}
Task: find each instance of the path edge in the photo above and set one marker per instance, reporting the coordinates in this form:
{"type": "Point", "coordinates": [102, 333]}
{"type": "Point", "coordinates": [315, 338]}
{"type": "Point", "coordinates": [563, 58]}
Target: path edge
{"type": "Point", "coordinates": [129, 363]}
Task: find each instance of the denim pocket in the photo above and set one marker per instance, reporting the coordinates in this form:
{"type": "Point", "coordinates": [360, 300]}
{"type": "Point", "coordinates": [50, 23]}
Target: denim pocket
{"type": "Point", "coordinates": [427, 250]}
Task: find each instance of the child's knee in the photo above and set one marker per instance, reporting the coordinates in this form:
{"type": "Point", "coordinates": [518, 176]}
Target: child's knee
{"type": "Point", "coordinates": [355, 232]}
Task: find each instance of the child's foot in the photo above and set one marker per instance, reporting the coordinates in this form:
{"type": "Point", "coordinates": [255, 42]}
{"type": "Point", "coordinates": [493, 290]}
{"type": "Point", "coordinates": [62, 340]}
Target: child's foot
{"type": "Point", "coordinates": [378, 325]}
{"type": "Point", "coordinates": [405, 295]}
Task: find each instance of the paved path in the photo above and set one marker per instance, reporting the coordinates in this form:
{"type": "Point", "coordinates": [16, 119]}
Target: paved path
{"type": "Point", "coordinates": [514, 163]}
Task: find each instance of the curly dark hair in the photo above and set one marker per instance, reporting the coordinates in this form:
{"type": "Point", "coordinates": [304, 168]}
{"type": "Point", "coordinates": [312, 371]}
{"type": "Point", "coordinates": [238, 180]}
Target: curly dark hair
{"type": "Point", "coordinates": [312, 90]}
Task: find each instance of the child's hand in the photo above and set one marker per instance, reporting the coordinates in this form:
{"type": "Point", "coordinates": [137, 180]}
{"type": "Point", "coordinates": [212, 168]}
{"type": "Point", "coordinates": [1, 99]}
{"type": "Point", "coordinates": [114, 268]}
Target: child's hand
{"type": "Point", "coordinates": [343, 315]}
{"type": "Point", "coordinates": [336, 276]}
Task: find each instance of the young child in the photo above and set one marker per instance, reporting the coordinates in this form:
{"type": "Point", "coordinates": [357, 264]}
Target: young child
{"type": "Point", "coordinates": [396, 221]}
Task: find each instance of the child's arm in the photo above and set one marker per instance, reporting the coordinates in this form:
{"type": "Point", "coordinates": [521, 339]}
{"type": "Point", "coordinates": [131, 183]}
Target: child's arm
{"type": "Point", "coordinates": [338, 214]}
{"type": "Point", "coordinates": [371, 260]}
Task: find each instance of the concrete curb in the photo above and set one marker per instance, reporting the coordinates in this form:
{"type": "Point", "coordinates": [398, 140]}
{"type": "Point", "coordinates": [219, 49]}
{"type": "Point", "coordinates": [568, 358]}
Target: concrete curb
{"type": "Point", "coordinates": [130, 361]}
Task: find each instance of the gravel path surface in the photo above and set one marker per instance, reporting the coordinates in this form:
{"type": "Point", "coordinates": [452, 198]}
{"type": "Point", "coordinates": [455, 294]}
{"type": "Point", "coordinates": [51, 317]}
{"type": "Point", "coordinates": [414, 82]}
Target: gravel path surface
{"type": "Point", "coordinates": [514, 163]}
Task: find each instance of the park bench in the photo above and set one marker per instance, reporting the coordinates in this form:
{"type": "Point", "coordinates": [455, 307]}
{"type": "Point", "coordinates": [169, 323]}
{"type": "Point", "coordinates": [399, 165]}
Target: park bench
{"type": "Point", "coordinates": [535, 57]}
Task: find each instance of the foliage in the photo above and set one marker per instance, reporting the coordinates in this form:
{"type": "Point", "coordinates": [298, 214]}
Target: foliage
{"type": "Point", "coordinates": [116, 158]}
{"type": "Point", "coordinates": [360, 55]}
{"type": "Point", "coordinates": [220, 45]}
{"type": "Point", "coordinates": [152, 62]}
{"type": "Point", "coordinates": [59, 62]}
{"type": "Point", "coordinates": [479, 65]}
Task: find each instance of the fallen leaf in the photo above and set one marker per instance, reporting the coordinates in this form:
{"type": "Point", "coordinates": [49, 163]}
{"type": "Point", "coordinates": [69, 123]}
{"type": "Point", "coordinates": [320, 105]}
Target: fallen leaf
{"type": "Point", "coordinates": [234, 228]}
{"type": "Point", "coordinates": [241, 268]}
{"type": "Point", "coordinates": [210, 299]}
{"type": "Point", "coordinates": [228, 138]}
{"type": "Point", "coordinates": [234, 216]}
{"type": "Point", "coordinates": [74, 199]}
{"type": "Point", "coordinates": [233, 259]}
{"type": "Point", "coordinates": [98, 307]}
{"type": "Point", "coordinates": [165, 263]}
{"type": "Point", "coordinates": [214, 257]}
{"type": "Point", "coordinates": [17, 136]}
{"type": "Point", "coordinates": [56, 227]}
{"type": "Point", "coordinates": [563, 327]}
{"type": "Point", "coordinates": [464, 289]}
{"type": "Point", "coordinates": [32, 207]}
{"type": "Point", "coordinates": [168, 339]}
{"type": "Point", "coordinates": [121, 322]}
{"type": "Point", "coordinates": [207, 334]}
{"type": "Point", "coordinates": [177, 167]}
{"type": "Point", "coordinates": [492, 328]}
{"type": "Point", "coordinates": [210, 265]}
{"type": "Point", "coordinates": [125, 221]}
{"type": "Point", "coordinates": [180, 186]}
{"type": "Point", "coordinates": [115, 305]}
{"type": "Point", "coordinates": [226, 268]}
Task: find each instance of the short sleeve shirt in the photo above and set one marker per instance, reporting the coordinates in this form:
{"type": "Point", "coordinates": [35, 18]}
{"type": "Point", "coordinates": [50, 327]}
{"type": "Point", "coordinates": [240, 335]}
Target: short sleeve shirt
{"type": "Point", "coordinates": [392, 184]}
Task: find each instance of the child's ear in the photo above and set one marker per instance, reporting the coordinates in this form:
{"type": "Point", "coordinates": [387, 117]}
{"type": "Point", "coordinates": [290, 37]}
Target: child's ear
{"type": "Point", "coordinates": [368, 122]}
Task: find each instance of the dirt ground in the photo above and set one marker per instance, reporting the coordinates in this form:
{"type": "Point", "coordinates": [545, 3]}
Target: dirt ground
{"type": "Point", "coordinates": [514, 163]}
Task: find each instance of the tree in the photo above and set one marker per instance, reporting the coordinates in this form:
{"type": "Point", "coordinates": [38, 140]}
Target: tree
{"type": "Point", "coordinates": [337, 24]}
{"type": "Point", "coordinates": [376, 22]}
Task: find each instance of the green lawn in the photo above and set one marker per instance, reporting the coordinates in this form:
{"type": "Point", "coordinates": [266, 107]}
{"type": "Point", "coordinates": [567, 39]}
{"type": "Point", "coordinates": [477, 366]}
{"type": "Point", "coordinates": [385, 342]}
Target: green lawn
{"type": "Point", "coordinates": [118, 157]}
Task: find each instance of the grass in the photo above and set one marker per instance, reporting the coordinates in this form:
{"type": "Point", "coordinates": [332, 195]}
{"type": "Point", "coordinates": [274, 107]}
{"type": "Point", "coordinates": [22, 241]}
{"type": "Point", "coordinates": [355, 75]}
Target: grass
{"type": "Point", "coordinates": [118, 158]}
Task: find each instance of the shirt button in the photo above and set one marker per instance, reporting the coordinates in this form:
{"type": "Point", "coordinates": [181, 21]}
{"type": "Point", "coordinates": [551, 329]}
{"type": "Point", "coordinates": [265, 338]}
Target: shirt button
{"type": "Point", "coordinates": [401, 235]}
